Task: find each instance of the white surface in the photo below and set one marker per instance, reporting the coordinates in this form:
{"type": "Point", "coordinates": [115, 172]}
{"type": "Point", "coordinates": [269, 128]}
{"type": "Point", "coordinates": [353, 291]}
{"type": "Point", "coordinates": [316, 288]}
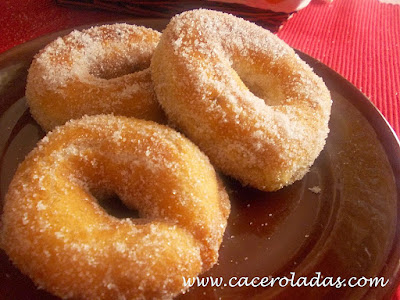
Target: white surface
{"type": "Point", "coordinates": [390, 1]}
{"type": "Point", "coordinates": [282, 6]}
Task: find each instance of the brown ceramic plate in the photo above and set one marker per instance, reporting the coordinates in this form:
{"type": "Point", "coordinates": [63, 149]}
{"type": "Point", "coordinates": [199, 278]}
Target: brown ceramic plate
{"type": "Point", "coordinates": [350, 228]}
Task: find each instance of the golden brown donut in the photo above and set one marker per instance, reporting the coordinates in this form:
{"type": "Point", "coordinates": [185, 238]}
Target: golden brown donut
{"type": "Point", "coordinates": [54, 230]}
{"type": "Point", "coordinates": [243, 96]}
{"type": "Point", "coordinates": [99, 70]}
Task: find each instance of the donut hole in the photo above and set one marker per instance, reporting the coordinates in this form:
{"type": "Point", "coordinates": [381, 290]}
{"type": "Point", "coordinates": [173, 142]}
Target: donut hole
{"type": "Point", "coordinates": [261, 84]}
{"type": "Point", "coordinates": [110, 68]}
{"type": "Point", "coordinates": [113, 205]}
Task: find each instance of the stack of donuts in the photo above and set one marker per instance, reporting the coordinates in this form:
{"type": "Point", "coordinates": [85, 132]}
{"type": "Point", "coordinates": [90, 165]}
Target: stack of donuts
{"type": "Point", "coordinates": [235, 98]}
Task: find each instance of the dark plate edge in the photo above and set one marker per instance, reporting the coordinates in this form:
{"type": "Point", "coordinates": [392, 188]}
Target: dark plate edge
{"type": "Point", "coordinates": [391, 144]}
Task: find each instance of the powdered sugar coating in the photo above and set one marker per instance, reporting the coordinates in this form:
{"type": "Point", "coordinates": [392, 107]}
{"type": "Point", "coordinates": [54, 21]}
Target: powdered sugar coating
{"type": "Point", "coordinates": [243, 96]}
{"type": "Point", "coordinates": [102, 69]}
{"type": "Point", "coordinates": [55, 232]}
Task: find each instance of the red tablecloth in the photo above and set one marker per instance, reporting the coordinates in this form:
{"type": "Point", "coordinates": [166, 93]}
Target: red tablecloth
{"type": "Point", "coordinates": [360, 39]}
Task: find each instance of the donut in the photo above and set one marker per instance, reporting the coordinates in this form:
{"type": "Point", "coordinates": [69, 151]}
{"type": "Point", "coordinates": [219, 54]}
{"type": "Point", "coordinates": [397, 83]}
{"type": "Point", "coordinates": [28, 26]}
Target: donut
{"type": "Point", "coordinates": [100, 70]}
{"type": "Point", "coordinates": [54, 230]}
{"type": "Point", "coordinates": [243, 96]}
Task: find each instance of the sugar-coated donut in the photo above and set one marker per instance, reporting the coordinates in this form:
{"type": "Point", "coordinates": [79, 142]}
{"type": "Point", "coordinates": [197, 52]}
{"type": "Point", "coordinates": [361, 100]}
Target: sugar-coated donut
{"type": "Point", "coordinates": [243, 96]}
{"type": "Point", "coordinates": [100, 70]}
{"type": "Point", "coordinates": [55, 232]}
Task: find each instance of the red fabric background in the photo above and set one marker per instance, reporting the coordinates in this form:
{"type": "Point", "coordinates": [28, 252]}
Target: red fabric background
{"type": "Point", "coordinates": [360, 39]}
